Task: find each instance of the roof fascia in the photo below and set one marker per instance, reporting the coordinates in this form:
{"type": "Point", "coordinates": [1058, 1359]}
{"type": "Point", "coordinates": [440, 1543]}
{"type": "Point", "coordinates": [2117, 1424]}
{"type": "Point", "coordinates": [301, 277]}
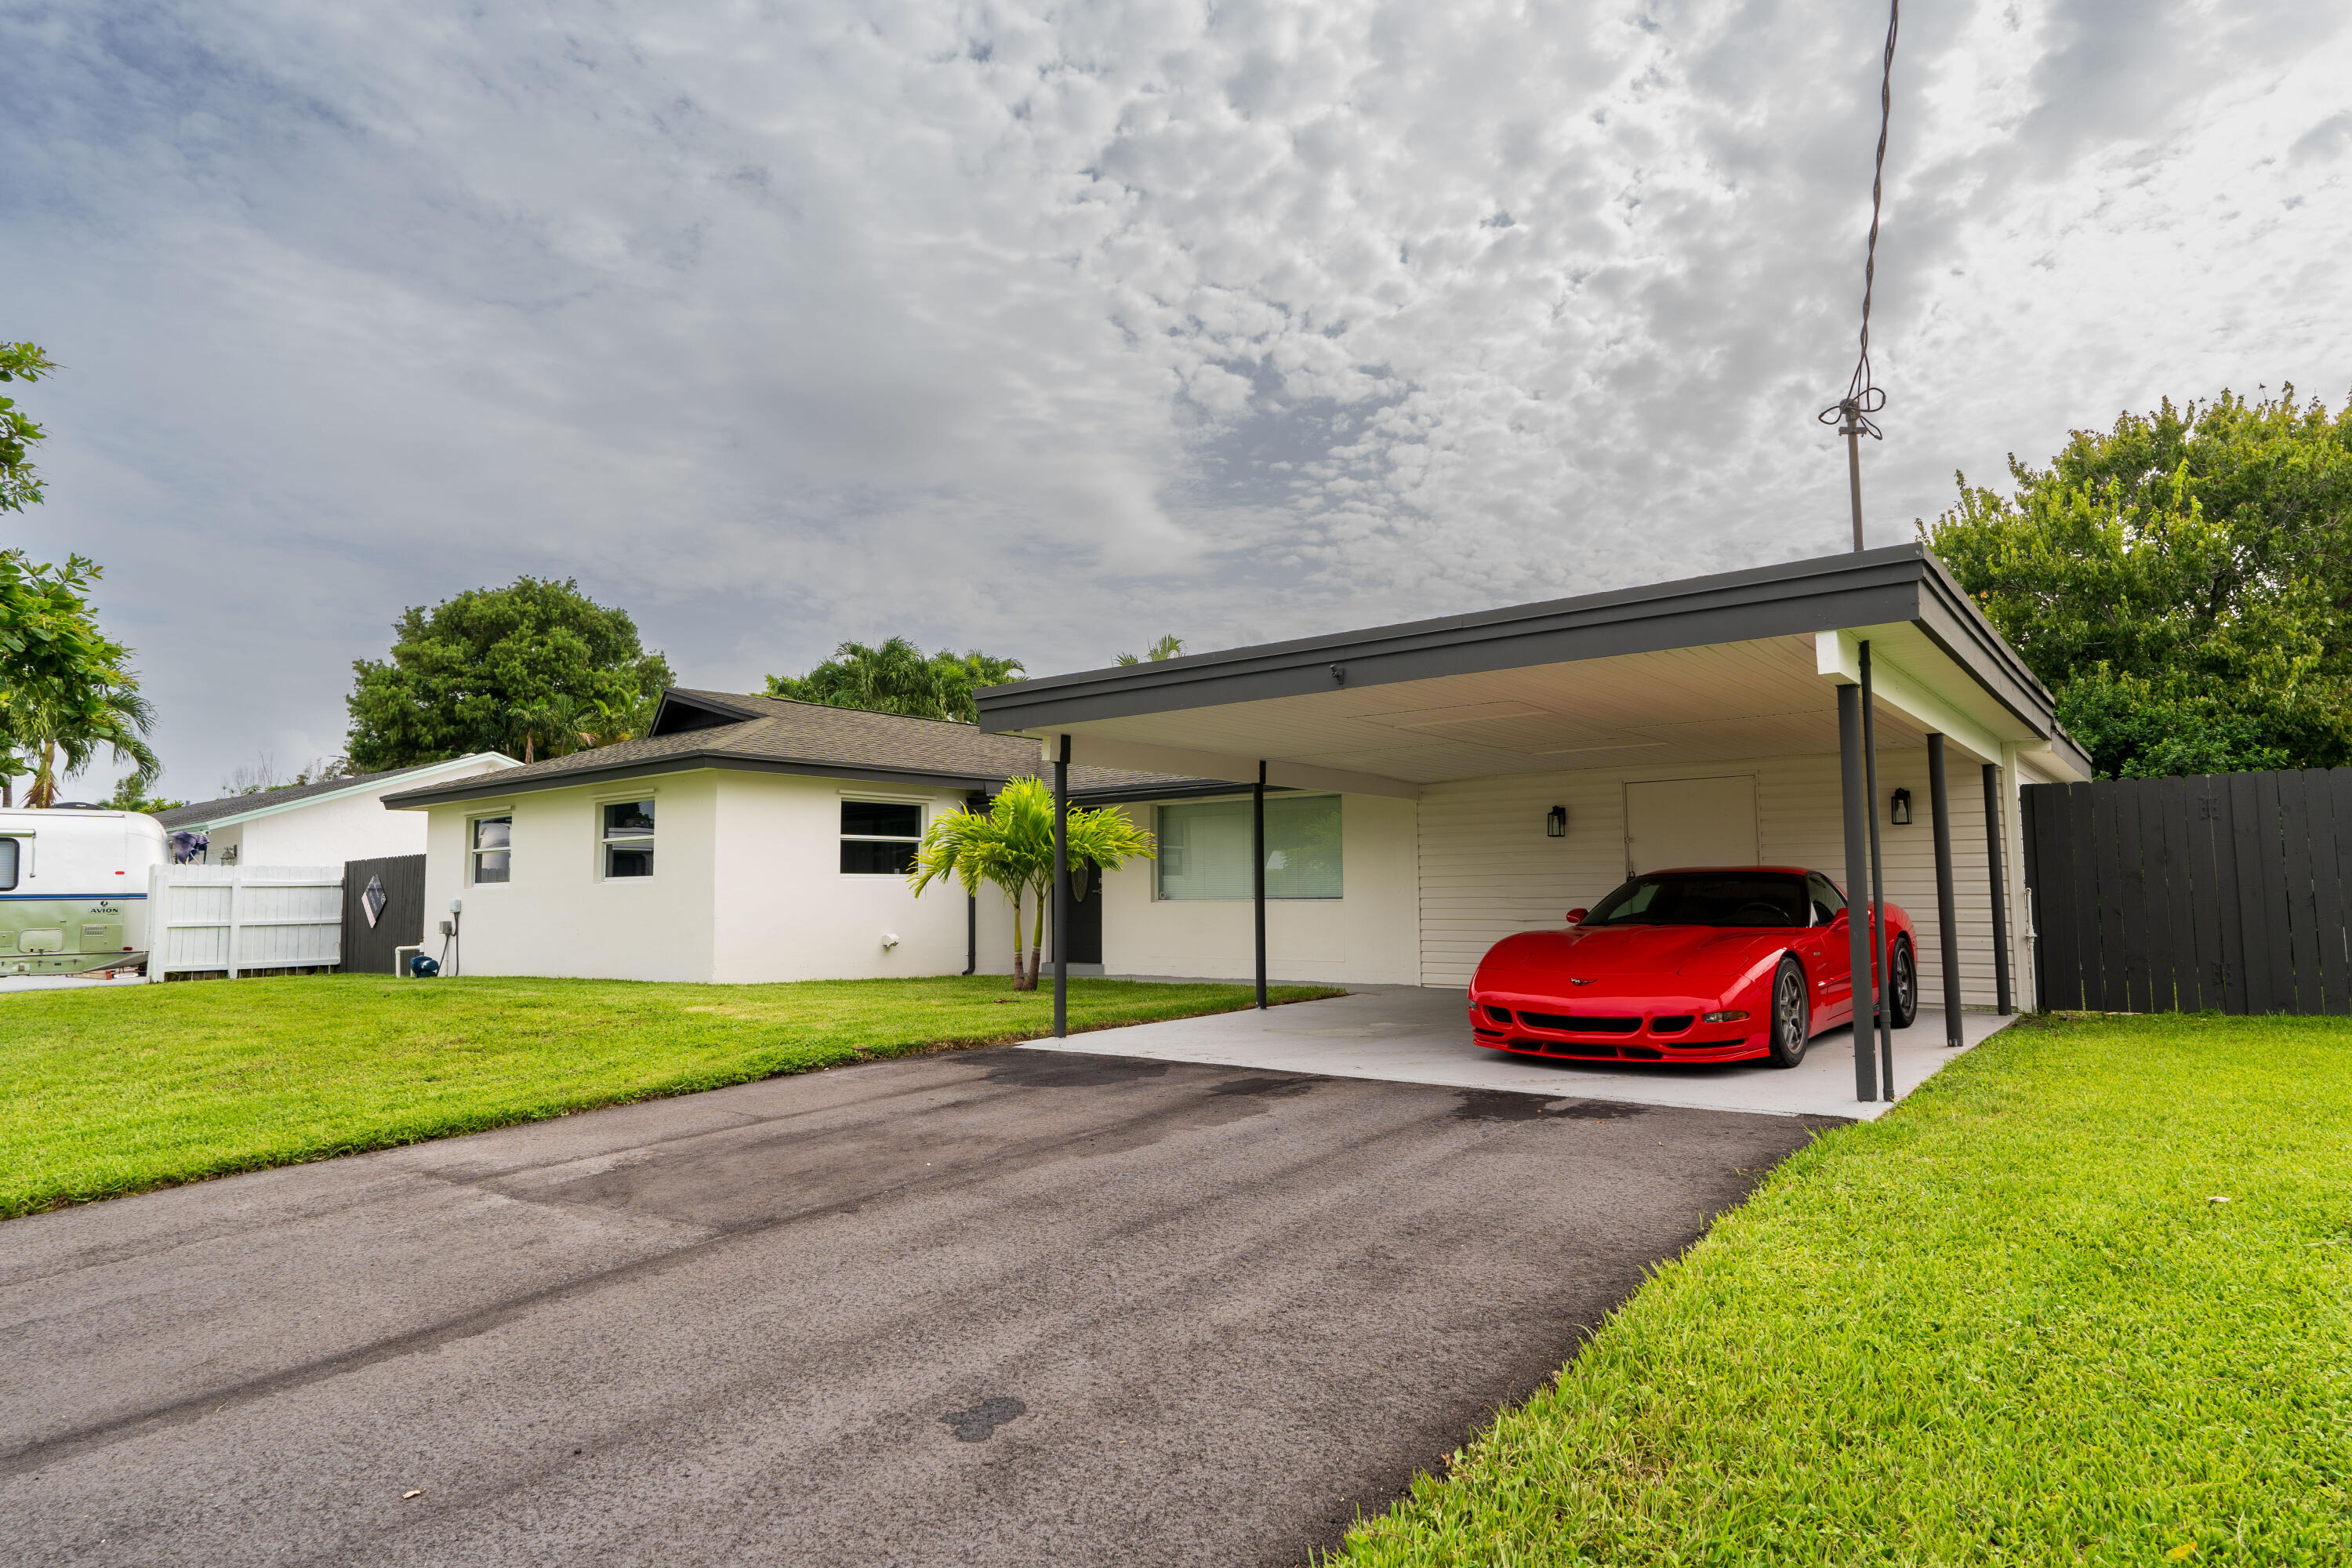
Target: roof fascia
{"type": "Point", "coordinates": [1130, 795]}
{"type": "Point", "coordinates": [685, 762]}
{"type": "Point", "coordinates": [238, 818]}
{"type": "Point", "coordinates": [1870, 588]}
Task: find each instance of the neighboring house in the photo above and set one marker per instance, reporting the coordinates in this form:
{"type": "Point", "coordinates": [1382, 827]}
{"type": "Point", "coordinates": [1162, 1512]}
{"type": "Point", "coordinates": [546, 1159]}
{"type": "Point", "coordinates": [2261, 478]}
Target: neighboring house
{"type": "Point", "coordinates": [742, 839]}
{"type": "Point", "coordinates": [321, 823]}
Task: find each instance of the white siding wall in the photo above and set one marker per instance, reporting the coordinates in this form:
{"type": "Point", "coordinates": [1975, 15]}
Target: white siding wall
{"type": "Point", "coordinates": [1367, 936]}
{"type": "Point", "coordinates": [1487, 870]}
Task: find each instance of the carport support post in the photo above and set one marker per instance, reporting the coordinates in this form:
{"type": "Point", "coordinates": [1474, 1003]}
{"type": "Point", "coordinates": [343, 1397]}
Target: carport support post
{"type": "Point", "coordinates": [1857, 879]}
{"type": "Point", "coordinates": [2004, 1002]}
{"type": "Point", "coordinates": [1882, 955]}
{"type": "Point", "coordinates": [1939, 795]}
{"type": "Point", "coordinates": [1062, 891]}
{"type": "Point", "coordinates": [1257, 875]}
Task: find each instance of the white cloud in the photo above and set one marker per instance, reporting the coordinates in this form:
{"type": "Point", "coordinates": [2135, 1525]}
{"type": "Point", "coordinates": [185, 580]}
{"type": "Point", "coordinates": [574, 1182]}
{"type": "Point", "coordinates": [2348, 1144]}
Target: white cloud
{"type": "Point", "coordinates": [1044, 328]}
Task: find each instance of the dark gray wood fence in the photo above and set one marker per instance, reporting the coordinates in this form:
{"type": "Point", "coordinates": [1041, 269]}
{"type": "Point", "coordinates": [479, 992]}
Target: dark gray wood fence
{"type": "Point", "coordinates": [2220, 891]}
{"type": "Point", "coordinates": [399, 919]}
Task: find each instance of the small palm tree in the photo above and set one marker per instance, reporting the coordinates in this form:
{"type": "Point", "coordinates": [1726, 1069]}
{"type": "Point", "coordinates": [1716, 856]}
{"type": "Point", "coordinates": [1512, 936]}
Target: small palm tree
{"type": "Point", "coordinates": [600, 722]}
{"type": "Point", "coordinates": [1168, 646]}
{"type": "Point", "coordinates": [54, 727]}
{"type": "Point", "coordinates": [549, 726]}
{"type": "Point", "coordinates": [1011, 844]}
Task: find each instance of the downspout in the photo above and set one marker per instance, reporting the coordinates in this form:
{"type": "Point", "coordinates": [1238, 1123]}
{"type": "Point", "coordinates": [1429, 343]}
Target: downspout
{"type": "Point", "coordinates": [1062, 890]}
{"type": "Point", "coordinates": [975, 801]}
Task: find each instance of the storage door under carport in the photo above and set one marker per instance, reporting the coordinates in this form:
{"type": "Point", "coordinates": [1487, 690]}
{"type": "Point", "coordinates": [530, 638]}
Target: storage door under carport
{"type": "Point", "coordinates": [1690, 822]}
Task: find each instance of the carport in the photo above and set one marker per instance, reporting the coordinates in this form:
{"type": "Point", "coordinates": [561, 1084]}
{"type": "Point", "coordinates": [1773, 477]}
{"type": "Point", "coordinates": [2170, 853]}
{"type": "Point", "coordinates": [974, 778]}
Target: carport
{"type": "Point", "coordinates": [1798, 679]}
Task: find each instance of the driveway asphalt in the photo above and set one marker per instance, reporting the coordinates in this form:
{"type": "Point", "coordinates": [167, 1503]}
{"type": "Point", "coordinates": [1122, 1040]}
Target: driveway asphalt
{"type": "Point", "coordinates": [1001, 1307]}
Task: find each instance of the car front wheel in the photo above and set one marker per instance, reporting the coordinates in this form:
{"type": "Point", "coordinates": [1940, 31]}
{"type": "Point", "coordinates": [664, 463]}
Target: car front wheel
{"type": "Point", "coordinates": [1793, 1014]}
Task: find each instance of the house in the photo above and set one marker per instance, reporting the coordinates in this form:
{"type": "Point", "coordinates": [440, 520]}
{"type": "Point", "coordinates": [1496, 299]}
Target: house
{"type": "Point", "coordinates": [1450, 782]}
{"type": "Point", "coordinates": [321, 823]}
{"type": "Point", "coordinates": [1426, 788]}
{"type": "Point", "coordinates": [742, 839]}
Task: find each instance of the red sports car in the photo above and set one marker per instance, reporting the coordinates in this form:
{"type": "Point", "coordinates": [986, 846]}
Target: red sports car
{"type": "Point", "coordinates": [1700, 965]}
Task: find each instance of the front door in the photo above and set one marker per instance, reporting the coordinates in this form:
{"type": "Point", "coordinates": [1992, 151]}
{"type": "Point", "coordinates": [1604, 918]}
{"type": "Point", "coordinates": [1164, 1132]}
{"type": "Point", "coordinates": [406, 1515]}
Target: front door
{"type": "Point", "coordinates": [1085, 915]}
{"type": "Point", "coordinates": [1690, 822]}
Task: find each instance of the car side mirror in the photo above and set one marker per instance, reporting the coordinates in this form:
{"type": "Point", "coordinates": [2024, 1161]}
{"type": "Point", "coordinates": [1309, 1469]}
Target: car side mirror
{"type": "Point", "coordinates": [1838, 919]}
{"type": "Point", "coordinates": [1576, 917]}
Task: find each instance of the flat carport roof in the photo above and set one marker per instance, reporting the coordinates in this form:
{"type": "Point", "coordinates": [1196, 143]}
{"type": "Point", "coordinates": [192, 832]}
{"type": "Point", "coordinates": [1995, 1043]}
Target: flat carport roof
{"type": "Point", "coordinates": [1708, 669]}
{"type": "Point", "coordinates": [1804, 657]}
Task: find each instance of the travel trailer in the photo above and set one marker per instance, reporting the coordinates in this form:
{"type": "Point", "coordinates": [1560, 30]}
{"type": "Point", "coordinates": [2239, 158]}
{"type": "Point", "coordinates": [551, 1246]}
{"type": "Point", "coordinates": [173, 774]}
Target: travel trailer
{"type": "Point", "coordinates": [73, 890]}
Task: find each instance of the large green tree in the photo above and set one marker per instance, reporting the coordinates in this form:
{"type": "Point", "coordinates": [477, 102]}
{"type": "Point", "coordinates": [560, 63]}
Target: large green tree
{"type": "Point", "coordinates": [897, 676]}
{"type": "Point", "coordinates": [19, 486]}
{"type": "Point", "coordinates": [536, 666]}
{"type": "Point", "coordinates": [2182, 582]}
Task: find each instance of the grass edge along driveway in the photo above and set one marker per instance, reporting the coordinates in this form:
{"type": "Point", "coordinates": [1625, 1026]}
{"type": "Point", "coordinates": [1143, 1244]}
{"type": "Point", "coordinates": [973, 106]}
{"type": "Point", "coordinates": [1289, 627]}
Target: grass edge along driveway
{"type": "Point", "coordinates": [112, 1091]}
{"type": "Point", "coordinates": [2014, 1322]}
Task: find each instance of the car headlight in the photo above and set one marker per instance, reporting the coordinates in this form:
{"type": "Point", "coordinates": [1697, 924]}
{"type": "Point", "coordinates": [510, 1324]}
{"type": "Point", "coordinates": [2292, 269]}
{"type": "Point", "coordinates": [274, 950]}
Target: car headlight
{"type": "Point", "coordinates": [1728, 1015]}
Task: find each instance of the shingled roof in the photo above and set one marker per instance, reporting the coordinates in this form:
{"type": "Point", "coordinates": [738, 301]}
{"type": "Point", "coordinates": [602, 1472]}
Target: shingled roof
{"type": "Point", "coordinates": [698, 729]}
{"type": "Point", "coordinates": [236, 808]}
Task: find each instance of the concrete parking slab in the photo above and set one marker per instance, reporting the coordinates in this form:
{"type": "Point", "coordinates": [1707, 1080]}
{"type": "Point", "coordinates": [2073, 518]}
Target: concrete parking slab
{"type": "Point", "coordinates": [999, 1307]}
{"type": "Point", "coordinates": [1413, 1035]}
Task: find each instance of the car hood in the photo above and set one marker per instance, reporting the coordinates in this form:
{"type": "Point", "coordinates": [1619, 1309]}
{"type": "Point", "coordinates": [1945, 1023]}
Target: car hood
{"type": "Point", "coordinates": [1607, 954]}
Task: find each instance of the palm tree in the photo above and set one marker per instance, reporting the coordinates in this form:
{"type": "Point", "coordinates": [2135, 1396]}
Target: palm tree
{"type": "Point", "coordinates": [554, 720]}
{"type": "Point", "coordinates": [1011, 844]}
{"type": "Point", "coordinates": [1168, 646]}
{"type": "Point", "coordinates": [897, 676]}
{"type": "Point", "coordinates": [600, 722]}
{"type": "Point", "coordinates": [54, 726]}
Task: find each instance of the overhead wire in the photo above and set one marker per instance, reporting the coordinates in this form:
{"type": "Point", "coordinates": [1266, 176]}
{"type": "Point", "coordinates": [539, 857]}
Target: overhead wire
{"type": "Point", "coordinates": [1863, 397]}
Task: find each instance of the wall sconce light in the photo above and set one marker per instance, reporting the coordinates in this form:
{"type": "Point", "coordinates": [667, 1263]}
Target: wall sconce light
{"type": "Point", "coordinates": [1899, 809]}
{"type": "Point", "coordinates": [1556, 822]}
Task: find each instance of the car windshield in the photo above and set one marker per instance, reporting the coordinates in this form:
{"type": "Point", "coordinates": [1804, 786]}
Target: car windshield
{"type": "Point", "coordinates": [1706, 898]}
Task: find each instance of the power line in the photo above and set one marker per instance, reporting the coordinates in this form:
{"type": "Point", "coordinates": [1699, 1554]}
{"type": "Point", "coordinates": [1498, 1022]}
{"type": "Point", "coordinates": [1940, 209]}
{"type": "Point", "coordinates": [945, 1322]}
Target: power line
{"type": "Point", "coordinates": [1863, 397]}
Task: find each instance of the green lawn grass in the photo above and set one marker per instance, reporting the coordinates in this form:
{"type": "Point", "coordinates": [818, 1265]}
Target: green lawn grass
{"type": "Point", "coordinates": [2008, 1324]}
{"type": "Point", "coordinates": [117, 1089]}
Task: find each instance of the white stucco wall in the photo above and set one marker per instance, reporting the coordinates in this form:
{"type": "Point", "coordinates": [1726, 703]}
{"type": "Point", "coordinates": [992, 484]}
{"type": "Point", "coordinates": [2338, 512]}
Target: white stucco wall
{"type": "Point", "coordinates": [1368, 936]}
{"type": "Point", "coordinates": [1487, 870]}
{"type": "Point", "coordinates": [558, 915]}
{"type": "Point", "coordinates": [787, 912]}
{"type": "Point", "coordinates": [746, 887]}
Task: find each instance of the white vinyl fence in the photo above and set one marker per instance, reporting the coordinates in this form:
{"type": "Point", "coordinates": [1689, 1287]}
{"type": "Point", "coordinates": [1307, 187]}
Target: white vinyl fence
{"type": "Point", "coordinates": [215, 919]}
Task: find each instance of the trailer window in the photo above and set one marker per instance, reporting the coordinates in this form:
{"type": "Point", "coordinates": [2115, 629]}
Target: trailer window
{"type": "Point", "coordinates": [8, 854]}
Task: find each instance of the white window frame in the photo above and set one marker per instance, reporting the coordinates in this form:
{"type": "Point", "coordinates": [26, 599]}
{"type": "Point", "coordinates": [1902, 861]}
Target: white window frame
{"type": "Point", "coordinates": [605, 841]}
{"type": "Point", "coordinates": [922, 805]}
{"type": "Point", "coordinates": [24, 842]}
{"type": "Point", "coordinates": [474, 852]}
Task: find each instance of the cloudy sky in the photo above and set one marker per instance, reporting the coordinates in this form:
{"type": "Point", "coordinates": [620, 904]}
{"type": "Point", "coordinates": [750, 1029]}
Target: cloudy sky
{"type": "Point", "coordinates": [1044, 329]}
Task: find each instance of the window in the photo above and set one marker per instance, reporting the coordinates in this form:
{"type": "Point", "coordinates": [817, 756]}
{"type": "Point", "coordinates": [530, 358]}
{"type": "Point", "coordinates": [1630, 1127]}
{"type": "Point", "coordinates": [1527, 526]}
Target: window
{"type": "Point", "coordinates": [629, 838]}
{"type": "Point", "coordinates": [9, 851]}
{"type": "Point", "coordinates": [1204, 848]}
{"type": "Point", "coordinates": [490, 853]}
{"type": "Point", "coordinates": [1827, 901]}
{"type": "Point", "coordinates": [1704, 899]}
{"type": "Point", "coordinates": [878, 838]}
